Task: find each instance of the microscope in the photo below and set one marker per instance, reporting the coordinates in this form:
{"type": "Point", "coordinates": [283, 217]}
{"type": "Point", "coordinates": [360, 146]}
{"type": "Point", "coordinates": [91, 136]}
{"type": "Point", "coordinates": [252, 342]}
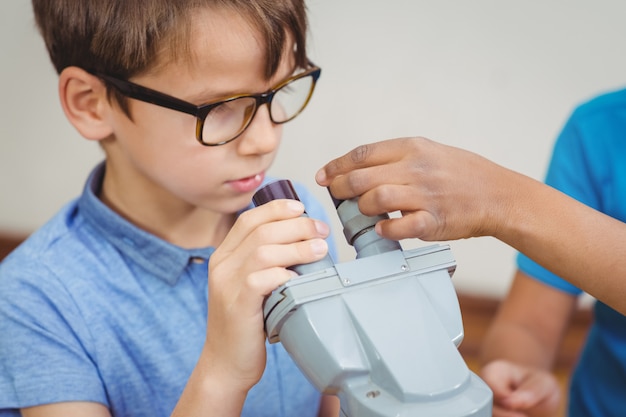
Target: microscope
{"type": "Point", "coordinates": [381, 332]}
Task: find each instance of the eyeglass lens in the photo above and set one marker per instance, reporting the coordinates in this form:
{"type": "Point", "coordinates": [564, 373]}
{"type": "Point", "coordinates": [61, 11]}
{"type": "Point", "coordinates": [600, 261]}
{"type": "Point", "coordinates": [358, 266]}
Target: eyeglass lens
{"type": "Point", "coordinates": [230, 119]}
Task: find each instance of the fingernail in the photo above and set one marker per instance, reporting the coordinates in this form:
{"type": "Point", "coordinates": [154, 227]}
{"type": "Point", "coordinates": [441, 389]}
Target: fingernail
{"type": "Point", "coordinates": [319, 246]}
{"type": "Point", "coordinates": [295, 206]}
{"type": "Point", "coordinates": [322, 228]}
{"type": "Point", "coordinates": [320, 176]}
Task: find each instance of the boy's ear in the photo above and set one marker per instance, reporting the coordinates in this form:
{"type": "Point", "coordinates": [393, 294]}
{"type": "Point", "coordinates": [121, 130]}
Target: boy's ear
{"type": "Point", "coordinates": [85, 103]}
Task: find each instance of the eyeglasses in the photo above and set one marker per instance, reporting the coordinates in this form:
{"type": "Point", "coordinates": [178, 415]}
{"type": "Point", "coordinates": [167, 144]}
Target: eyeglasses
{"type": "Point", "coordinates": [223, 121]}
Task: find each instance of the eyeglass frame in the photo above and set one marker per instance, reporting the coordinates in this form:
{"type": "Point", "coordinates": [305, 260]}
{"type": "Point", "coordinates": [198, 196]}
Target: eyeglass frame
{"type": "Point", "coordinates": [148, 95]}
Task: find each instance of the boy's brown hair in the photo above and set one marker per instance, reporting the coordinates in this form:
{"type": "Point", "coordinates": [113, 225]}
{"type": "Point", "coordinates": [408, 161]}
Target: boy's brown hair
{"type": "Point", "coordinates": [124, 38]}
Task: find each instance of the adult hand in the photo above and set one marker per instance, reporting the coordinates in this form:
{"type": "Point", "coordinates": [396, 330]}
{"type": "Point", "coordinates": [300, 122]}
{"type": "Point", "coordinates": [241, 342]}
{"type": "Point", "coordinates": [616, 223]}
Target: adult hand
{"type": "Point", "coordinates": [443, 192]}
{"type": "Point", "coordinates": [447, 193]}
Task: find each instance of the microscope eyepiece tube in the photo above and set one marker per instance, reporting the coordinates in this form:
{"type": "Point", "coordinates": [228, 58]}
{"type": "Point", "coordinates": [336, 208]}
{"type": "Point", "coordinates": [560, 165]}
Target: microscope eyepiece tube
{"type": "Point", "coordinates": [359, 229]}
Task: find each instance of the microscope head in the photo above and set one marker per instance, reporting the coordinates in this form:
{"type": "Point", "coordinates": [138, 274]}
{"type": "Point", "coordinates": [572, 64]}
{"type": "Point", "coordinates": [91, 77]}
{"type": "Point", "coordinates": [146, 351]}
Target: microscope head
{"type": "Point", "coordinates": [382, 331]}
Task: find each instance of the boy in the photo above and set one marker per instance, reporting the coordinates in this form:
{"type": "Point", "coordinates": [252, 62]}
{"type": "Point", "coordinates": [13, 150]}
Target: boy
{"type": "Point", "coordinates": [103, 312]}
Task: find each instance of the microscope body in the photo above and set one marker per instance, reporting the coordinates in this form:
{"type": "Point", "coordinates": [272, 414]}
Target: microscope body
{"type": "Point", "coordinates": [382, 331]}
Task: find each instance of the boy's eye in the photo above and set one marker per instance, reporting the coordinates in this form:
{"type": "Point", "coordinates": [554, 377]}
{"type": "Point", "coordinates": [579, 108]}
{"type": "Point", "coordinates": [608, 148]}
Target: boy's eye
{"type": "Point", "coordinates": [228, 119]}
{"type": "Point", "coordinates": [222, 113]}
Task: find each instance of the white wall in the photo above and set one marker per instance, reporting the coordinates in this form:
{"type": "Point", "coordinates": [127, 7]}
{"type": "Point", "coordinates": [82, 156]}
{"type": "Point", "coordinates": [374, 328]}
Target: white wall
{"type": "Point", "coordinates": [497, 77]}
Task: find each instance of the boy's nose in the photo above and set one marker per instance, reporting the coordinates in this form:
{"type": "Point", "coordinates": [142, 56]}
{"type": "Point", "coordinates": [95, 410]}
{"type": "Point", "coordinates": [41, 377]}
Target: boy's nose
{"type": "Point", "coordinates": [261, 136]}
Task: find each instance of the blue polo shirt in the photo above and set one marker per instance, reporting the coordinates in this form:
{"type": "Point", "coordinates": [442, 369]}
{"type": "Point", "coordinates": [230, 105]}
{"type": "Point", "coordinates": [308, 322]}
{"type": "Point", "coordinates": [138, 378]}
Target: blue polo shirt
{"type": "Point", "coordinates": [589, 164]}
{"type": "Point", "coordinates": [93, 308]}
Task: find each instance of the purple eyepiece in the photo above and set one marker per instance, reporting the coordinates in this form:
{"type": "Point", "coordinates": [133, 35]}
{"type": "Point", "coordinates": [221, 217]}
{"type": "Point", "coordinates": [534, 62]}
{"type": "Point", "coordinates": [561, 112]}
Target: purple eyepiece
{"type": "Point", "coordinates": [273, 191]}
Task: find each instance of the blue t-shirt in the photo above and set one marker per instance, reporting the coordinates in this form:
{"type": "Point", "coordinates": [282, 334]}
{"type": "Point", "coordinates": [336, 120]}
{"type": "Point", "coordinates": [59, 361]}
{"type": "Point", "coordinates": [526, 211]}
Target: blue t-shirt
{"type": "Point", "coordinates": [589, 164]}
{"type": "Point", "coordinates": [95, 309]}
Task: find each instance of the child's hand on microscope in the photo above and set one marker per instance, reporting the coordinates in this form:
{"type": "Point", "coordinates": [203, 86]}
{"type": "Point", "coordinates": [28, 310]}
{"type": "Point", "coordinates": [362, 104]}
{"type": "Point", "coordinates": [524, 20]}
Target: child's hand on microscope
{"type": "Point", "coordinates": [246, 267]}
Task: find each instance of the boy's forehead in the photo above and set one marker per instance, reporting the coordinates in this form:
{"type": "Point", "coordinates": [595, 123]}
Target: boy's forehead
{"type": "Point", "coordinates": [219, 37]}
{"type": "Point", "coordinates": [225, 55]}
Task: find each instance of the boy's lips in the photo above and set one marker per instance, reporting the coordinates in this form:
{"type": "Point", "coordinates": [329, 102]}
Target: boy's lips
{"type": "Point", "coordinates": [248, 184]}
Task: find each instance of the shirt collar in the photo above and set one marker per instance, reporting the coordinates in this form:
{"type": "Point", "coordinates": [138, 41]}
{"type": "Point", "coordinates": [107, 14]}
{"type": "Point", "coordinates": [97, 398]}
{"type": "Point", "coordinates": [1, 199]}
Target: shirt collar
{"type": "Point", "coordinates": [158, 257]}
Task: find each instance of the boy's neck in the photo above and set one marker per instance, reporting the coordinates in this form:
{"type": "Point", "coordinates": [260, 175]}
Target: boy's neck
{"type": "Point", "coordinates": [176, 222]}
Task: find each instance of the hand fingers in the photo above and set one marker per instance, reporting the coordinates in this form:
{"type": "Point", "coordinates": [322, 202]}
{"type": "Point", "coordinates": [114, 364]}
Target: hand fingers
{"type": "Point", "coordinates": [266, 280]}
{"type": "Point", "coordinates": [418, 224]}
{"type": "Point", "coordinates": [381, 165]}
{"type": "Point", "coordinates": [286, 255]}
{"type": "Point", "coordinates": [359, 157]}
{"type": "Point", "coordinates": [270, 236]}
{"type": "Point", "coordinates": [394, 197]}
{"type": "Point", "coordinates": [420, 213]}
{"type": "Point", "coordinates": [533, 391]}
{"type": "Point", "coordinates": [373, 154]}
{"type": "Point", "coordinates": [377, 180]}
{"type": "Point", "coordinates": [261, 268]}
{"type": "Point", "coordinates": [539, 393]}
{"type": "Point", "coordinates": [248, 221]}
{"type": "Point", "coordinates": [501, 376]}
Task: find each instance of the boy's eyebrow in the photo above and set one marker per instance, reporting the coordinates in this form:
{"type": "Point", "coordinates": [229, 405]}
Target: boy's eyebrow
{"type": "Point", "coordinates": [209, 95]}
